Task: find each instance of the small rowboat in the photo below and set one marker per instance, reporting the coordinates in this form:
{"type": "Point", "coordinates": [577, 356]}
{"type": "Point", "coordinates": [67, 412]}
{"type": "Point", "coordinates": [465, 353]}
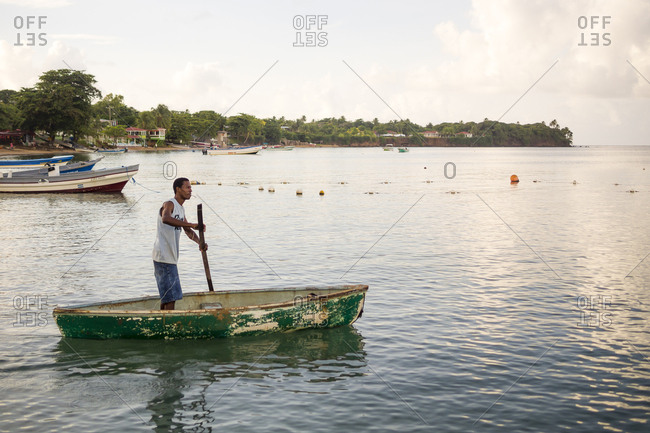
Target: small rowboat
{"type": "Point", "coordinates": [403, 149]}
{"type": "Point", "coordinates": [235, 150]}
{"type": "Point", "coordinates": [34, 163]}
{"type": "Point", "coordinates": [216, 314]}
{"type": "Point", "coordinates": [104, 180]}
{"type": "Point", "coordinates": [123, 150]}
{"type": "Point", "coordinates": [67, 168]}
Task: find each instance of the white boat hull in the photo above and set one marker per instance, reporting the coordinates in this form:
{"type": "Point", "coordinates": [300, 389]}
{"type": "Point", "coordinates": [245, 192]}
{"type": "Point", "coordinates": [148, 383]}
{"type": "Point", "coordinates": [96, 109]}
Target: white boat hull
{"type": "Point", "coordinates": [235, 151]}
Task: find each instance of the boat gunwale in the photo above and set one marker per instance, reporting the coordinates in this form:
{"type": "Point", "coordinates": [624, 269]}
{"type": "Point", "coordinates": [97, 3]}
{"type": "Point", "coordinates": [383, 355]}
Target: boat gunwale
{"type": "Point", "coordinates": [83, 309]}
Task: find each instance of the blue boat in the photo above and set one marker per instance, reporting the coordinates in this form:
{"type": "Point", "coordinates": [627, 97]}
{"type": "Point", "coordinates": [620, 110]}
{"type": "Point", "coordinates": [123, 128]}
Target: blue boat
{"type": "Point", "coordinates": [34, 163]}
{"type": "Point", "coordinates": [67, 168]}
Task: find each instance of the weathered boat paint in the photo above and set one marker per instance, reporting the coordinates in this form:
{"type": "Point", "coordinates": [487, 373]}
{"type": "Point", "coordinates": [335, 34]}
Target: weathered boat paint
{"type": "Point", "coordinates": [313, 307]}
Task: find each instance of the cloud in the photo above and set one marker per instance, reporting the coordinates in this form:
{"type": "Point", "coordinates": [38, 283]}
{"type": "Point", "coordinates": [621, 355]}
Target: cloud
{"type": "Point", "coordinates": [511, 43]}
{"type": "Point", "coordinates": [38, 4]}
{"type": "Point", "coordinates": [97, 39]}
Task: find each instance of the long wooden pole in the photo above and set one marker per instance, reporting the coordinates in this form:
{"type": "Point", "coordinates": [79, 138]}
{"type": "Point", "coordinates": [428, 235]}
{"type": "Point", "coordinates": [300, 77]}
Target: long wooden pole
{"type": "Point", "coordinates": [204, 253]}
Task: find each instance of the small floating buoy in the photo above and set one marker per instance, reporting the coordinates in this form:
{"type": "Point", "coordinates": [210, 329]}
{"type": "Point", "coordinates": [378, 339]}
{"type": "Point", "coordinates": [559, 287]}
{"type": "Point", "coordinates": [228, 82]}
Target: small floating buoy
{"type": "Point", "coordinates": [342, 183]}
{"type": "Point", "coordinates": [425, 168]}
{"type": "Point", "coordinates": [632, 191]}
{"type": "Point", "coordinates": [196, 182]}
{"type": "Point", "coordinates": [271, 189]}
{"type": "Point", "coordinates": [261, 188]}
{"type": "Point", "coordinates": [616, 184]}
{"type": "Point", "coordinates": [514, 178]}
{"type": "Point", "coordinates": [535, 181]}
{"type": "Point", "coordinates": [298, 192]}
{"type": "Point", "coordinates": [321, 192]}
{"type": "Point", "coordinates": [219, 183]}
{"type": "Point", "coordinates": [284, 183]}
{"type": "Point", "coordinates": [575, 183]}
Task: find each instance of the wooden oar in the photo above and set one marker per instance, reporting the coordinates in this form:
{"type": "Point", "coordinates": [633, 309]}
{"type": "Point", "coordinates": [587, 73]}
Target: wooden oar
{"type": "Point", "coordinates": [204, 253]}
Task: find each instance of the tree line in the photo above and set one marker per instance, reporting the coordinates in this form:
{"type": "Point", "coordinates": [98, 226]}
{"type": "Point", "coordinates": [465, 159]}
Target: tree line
{"type": "Point", "coordinates": [67, 103]}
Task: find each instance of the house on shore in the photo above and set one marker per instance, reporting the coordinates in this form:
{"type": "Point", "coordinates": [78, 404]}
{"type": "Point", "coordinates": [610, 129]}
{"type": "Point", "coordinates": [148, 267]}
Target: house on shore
{"type": "Point", "coordinates": [431, 134]}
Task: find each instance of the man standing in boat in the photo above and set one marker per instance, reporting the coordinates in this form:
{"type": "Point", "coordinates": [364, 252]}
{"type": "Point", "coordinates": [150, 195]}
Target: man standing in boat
{"type": "Point", "coordinates": [171, 220]}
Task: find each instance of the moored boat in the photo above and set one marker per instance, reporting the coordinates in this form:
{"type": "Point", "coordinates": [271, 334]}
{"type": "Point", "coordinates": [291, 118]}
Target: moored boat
{"type": "Point", "coordinates": [403, 149]}
{"type": "Point", "coordinates": [388, 146]}
{"type": "Point", "coordinates": [123, 150]}
{"type": "Point", "coordinates": [234, 150]}
{"type": "Point", "coordinates": [34, 163]}
{"type": "Point", "coordinates": [216, 314]}
{"type": "Point", "coordinates": [104, 180]}
{"type": "Point", "coordinates": [67, 168]}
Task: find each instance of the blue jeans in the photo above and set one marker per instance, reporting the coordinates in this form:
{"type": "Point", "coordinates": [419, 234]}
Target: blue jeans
{"type": "Point", "coordinates": [169, 284]}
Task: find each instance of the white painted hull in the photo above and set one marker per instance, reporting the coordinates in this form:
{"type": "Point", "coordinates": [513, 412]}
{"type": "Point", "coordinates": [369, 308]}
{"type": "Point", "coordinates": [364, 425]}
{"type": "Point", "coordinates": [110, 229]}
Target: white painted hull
{"type": "Point", "coordinates": [107, 180]}
{"type": "Point", "coordinates": [235, 151]}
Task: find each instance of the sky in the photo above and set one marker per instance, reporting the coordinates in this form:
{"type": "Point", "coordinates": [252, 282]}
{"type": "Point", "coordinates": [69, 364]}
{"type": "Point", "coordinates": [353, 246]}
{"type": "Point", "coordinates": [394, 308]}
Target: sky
{"type": "Point", "coordinates": [585, 64]}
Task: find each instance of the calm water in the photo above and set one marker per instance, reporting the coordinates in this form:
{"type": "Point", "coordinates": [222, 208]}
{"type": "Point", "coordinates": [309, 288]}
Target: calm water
{"type": "Point", "coordinates": [495, 308]}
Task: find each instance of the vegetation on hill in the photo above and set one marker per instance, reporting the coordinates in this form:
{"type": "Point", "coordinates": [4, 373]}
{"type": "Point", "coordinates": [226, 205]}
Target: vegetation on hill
{"type": "Point", "coordinates": [61, 103]}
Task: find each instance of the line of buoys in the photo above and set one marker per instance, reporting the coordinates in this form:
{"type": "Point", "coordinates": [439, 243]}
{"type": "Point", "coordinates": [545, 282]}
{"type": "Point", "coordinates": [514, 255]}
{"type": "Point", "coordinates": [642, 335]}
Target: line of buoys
{"type": "Point", "coordinates": [514, 179]}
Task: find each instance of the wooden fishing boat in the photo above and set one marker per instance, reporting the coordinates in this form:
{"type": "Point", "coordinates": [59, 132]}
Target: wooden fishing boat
{"type": "Point", "coordinates": [67, 168]}
{"type": "Point", "coordinates": [34, 163]}
{"type": "Point", "coordinates": [123, 150]}
{"type": "Point", "coordinates": [104, 180]}
{"type": "Point", "coordinates": [216, 314]}
{"type": "Point", "coordinates": [234, 150]}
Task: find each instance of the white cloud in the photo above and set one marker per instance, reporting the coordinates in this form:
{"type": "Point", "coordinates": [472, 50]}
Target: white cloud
{"type": "Point", "coordinates": [38, 4]}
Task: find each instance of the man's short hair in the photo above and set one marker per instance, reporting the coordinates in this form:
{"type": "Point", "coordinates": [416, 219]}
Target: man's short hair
{"type": "Point", "coordinates": [178, 183]}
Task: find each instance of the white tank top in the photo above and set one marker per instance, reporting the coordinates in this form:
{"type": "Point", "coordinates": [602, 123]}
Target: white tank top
{"type": "Point", "coordinates": [166, 246]}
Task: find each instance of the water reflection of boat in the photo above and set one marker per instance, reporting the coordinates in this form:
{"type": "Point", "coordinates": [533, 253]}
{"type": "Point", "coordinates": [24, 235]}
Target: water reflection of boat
{"type": "Point", "coordinates": [182, 381]}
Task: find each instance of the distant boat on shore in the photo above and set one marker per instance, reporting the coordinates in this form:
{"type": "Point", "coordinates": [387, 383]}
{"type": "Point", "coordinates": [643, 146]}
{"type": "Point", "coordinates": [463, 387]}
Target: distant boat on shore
{"type": "Point", "coordinates": [124, 150]}
{"type": "Point", "coordinates": [388, 147]}
{"type": "Point", "coordinates": [234, 150]}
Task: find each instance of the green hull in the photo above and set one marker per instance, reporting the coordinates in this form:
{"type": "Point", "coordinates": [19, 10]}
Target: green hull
{"type": "Point", "coordinates": [216, 314]}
